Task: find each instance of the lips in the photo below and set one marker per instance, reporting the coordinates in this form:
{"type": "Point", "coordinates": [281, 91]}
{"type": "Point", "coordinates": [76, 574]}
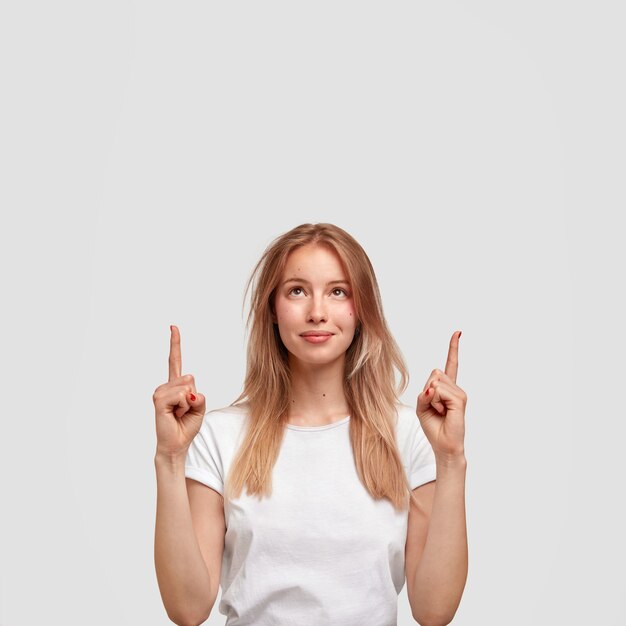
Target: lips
{"type": "Point", "coordinates": [317, 337]}
{"type": "Point", "coordinates": [315, 333]}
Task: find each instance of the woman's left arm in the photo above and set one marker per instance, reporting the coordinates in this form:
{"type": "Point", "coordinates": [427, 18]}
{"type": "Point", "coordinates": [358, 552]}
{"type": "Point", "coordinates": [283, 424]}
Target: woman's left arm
{"type": "Point", "coordinates": [442, 570]}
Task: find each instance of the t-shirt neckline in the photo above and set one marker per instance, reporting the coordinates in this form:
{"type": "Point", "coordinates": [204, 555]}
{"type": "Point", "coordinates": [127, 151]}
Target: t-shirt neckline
{"type": "Point", "coordinates": [315, 428]}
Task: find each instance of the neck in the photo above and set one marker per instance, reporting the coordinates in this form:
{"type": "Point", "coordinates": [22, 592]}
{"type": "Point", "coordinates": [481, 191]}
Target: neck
{"type": "Point", "coordinates": [317, 392]}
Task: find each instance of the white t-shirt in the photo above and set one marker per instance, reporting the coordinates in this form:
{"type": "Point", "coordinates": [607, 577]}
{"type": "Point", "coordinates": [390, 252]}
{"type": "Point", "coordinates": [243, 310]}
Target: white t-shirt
{"type": "Point", "coordinates": [321, 551]}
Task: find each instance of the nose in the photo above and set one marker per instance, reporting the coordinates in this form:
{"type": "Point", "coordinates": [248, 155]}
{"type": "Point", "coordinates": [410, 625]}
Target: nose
{"type": "Point", "coordinates": [317, 312]}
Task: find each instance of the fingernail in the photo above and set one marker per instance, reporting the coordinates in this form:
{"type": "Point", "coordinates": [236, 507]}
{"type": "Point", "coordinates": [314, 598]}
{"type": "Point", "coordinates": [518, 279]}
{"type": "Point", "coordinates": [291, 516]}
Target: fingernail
{"type": "Point", "coordinates": [193, 398]}
{"type": "Point", "coordinates": [460, 333]}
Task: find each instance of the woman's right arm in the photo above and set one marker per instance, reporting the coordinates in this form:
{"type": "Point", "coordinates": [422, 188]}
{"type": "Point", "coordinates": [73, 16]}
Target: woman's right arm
{"type": "Point", "coordinates": [184, 581]}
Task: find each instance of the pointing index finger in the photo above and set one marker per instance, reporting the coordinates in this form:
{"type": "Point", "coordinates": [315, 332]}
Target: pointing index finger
{"type": "Point", "coordinates": [175, 356]}
{"type": "Point", "coordinates": [452, 364]}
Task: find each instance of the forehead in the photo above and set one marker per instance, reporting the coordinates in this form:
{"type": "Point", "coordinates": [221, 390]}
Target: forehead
{"type": "Point", "coordinates": [313, 261]}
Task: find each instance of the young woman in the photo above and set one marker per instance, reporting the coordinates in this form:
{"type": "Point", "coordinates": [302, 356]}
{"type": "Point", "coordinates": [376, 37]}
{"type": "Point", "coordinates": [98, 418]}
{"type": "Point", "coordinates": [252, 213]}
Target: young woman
{"type": "Point", "coordinates": [316, 493]}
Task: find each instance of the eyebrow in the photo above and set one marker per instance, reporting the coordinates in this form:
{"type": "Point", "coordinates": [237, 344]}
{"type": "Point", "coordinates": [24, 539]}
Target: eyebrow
{"type": "Point", "coordinates": [301, 280]}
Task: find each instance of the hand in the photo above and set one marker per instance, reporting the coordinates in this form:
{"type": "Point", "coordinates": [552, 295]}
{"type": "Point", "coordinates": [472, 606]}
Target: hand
{"type": "Point", "coordinates": [178, 416]}
{"type": "Point", "coordinates": [441, 408]}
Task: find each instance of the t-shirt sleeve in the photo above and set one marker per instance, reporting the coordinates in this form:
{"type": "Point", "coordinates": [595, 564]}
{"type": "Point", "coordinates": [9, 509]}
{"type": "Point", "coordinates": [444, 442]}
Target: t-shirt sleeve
{"type": "Point", "coordinates": [423, 466]}
{"type": "Point", "coordinates": [204, 460]}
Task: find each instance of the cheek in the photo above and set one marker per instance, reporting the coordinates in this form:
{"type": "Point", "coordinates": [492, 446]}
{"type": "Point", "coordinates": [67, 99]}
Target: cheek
{"type": "Point", "coordinates": [285, 312]}
{"type": "Point", "coordinates": [349, 314]}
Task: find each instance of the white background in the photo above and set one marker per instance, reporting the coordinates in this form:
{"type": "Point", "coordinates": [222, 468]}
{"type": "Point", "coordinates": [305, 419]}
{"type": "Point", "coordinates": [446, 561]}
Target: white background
{"type": "Point", "coordinates": [150, 151]}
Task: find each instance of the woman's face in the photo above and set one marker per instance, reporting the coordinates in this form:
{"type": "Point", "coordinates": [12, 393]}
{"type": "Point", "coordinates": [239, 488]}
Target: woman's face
{"type": "Point", "coordinates": [312, 301]}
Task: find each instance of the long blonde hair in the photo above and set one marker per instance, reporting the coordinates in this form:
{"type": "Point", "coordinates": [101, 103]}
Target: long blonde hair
{"type": "Point", "coordinates": [369, 380]}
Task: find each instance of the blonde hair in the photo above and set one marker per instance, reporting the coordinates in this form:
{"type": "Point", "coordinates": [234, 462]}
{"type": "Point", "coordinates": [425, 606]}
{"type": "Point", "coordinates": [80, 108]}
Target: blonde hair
{"type": "Point", "coordinates": [369, 381]}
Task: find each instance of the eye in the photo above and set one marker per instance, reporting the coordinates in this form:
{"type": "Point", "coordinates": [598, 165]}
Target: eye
{"type": "Point", "coordinates": [335, 289]}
